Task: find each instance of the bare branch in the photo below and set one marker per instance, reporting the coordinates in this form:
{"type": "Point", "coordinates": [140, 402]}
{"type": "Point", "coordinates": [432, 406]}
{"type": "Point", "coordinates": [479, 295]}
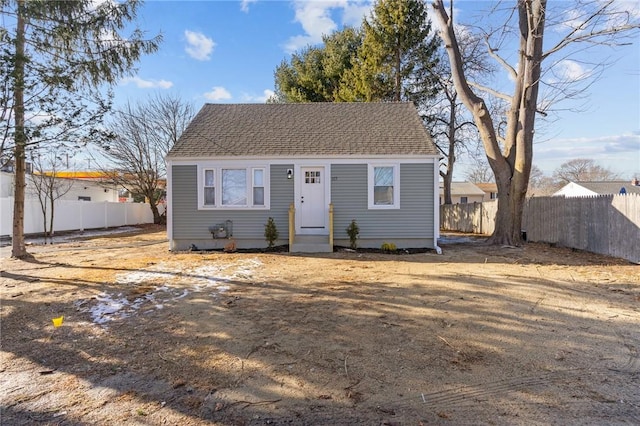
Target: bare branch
{"type": "Point", "coordinates": [490, 91]}
{"type": "Point", "coordinates": [493, 53]}
{"type": "Point", "coordinates": [594, 36]}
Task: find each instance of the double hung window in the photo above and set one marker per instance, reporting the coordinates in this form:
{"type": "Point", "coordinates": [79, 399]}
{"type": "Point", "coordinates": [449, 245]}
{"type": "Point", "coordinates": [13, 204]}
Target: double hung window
{"type": "Point", "coordinates": [384, 186]}
{"type": "Point", "coordinates": [209, 187]}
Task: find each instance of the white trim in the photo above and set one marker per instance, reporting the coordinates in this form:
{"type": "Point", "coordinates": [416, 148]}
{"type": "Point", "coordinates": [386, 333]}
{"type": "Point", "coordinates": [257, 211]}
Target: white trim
{"type": "Point", "coordinates": [436, 209]}
{"type": "Point", "coordinates": [253, 186]}
{"type": "Point", "coordinates": [201, 189]}
{"type": "Point", "coordinates": [297, 188]}
{"type": "Point", "coordinates": [169, 204]}
{"type": "Point", "coordinates": [396, 186]}
{"type": "Point", "coordinates": [218, 167]}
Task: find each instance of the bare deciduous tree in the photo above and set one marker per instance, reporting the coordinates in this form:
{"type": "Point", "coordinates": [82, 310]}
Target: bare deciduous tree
{"type": "Point", "coordinates": [479, 172]}
{"type": "Point", "coordinates": [48, 187]}
{"type": "Point", "coordinates": [452, 128]}
{"type": "Point", "coordinates": [589, 23]}
{"type": "Point", "coordinates": [582, 170]}
{"type": "Point", "coordinates": [541, 184]}
{"type": "Point", "coordinates": [142, 135]}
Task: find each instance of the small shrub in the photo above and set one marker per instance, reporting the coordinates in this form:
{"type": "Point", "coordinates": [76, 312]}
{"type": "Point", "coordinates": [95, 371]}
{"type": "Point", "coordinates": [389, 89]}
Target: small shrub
{"type": "Point", "coordinates": [388, 247]}
{"type": "Point", "coordinates": [270, 232]}
{"type": "Point", "coordinates": [353, 231]}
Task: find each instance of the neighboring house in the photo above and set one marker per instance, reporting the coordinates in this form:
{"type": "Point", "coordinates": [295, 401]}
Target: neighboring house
{"type": "Point", "coordinates": [76, 189]}
{"type": "Point", "coordinates": [585, 189]}
{"type": "Point", "coordinates": [312, 167]}
{"type": "Point", "coordinates": [463, 193]}
{"type": "Point", "coordinates": [490, 191]}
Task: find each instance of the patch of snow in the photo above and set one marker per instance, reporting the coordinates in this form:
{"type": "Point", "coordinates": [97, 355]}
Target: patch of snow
{"type": "Point", "coordinates": [139, 277]}
{"type": "Point", "coordinates": [173, 282]}
{"type": "Point", "coordinates": [109, 308]}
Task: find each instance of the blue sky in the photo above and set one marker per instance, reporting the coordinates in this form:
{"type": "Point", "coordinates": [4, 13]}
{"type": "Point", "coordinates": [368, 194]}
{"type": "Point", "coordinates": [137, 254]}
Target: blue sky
{"type": "Point", "coordinates": [227, 51]}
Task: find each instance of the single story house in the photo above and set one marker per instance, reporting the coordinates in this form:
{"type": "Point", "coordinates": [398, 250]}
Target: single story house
{"type": "Point", "coordinates": [463, 193]}
{"type": "Point", "coordinates": [69, 188]}
{"type": "Point", "coordinates": [590, 189]}
{"type": "Point", "coordinates": [311, 167]}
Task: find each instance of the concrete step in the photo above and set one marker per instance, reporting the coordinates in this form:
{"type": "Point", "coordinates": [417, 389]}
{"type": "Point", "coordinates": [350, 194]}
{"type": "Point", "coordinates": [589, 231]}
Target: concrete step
{"type": "Point", "coordinates": [311, 244]}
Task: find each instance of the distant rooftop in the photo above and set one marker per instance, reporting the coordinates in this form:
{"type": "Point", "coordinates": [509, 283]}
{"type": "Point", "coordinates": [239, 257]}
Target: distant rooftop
{"type": "Point", "coordinates": [610, 187]}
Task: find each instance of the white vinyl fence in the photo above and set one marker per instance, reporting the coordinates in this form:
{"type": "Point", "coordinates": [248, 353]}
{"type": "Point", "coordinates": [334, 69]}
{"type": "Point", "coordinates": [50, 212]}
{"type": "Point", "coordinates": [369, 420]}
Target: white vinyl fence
{"type": "Point", "coordinates": [608, 224]}
{"type": "Point", "coordinates": [72, 215]}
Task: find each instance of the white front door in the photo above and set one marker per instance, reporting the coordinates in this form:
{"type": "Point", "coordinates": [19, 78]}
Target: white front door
{"type": "Point", "coordinates": [311, 203]}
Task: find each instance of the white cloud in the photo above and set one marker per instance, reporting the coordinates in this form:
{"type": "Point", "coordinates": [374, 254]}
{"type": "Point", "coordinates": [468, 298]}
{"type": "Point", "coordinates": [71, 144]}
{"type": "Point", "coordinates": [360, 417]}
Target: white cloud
{"type": "Point", "coordinates": [354, 12]}
{"type": "Point", "coordinates": [571, 70]}
{"type": "Point", "coordinates": [218, 93]}
{"type": "Point", "coordinates": [266, 94]}
{"type": "Point", "coordinates": [146, 84]}
{"type": "Point", "coordinates": [198, 46]}
{"type": "Point", "coordinates": [315, 18]}
{"type": "Point", "coordinates": [244, 5]}
{"type": "Point", "coordinates": [620, 153]}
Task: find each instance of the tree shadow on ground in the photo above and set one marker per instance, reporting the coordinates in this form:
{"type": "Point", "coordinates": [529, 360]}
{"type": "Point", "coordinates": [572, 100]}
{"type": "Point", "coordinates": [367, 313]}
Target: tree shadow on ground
{"type": "Point", "coordinates": [311, 348]}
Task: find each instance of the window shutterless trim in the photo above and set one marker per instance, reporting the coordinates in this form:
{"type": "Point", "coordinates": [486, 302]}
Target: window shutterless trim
{"type": "Point", "coordinates": [371, 186]}
{"type": "Point", "coordinates": [218, 181]}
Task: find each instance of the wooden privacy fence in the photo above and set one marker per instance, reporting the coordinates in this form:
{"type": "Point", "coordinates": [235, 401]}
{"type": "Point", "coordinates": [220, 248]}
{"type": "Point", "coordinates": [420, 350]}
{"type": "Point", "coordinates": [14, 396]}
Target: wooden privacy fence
{"type": "Point", "coordinates": [608, 224]}
{"type": "Point", "coordinates": [476, 218]}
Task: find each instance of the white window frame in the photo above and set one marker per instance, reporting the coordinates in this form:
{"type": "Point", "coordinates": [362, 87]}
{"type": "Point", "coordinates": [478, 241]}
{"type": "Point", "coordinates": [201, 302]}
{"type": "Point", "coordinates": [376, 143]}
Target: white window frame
{"type": "Point", "coordinates": [396, 186]}
{"type": "Point", "coordinates": [253, 186]}
{"type": "Point", "coordinates": [249, 170]}
{"type": "Point", "coordinates": [202, 186]}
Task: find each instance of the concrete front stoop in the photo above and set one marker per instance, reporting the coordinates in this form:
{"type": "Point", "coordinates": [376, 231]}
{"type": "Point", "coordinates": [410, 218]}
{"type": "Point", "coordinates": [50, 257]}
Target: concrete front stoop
{"type": "Point", "coordinates": [311, 244]}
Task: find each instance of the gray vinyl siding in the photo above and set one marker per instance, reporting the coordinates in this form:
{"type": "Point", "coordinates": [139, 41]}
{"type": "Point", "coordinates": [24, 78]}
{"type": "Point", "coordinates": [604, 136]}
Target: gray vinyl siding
{"type": "Point", "coordinates": [191, 226]}
{"type": "Point", "coordinates": [413, 221]}
{"type": "Point", "coordinates": [281, 198]}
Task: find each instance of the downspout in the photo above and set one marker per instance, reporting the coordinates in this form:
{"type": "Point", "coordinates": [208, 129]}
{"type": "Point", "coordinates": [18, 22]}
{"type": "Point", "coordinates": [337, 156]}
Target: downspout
{"type": "Point", "coordinates": [436, 205]}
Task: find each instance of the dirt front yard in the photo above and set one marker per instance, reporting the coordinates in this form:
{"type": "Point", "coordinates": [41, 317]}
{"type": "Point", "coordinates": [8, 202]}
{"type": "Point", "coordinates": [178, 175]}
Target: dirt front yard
{"type": "Point", "coordinates": [477, 335]}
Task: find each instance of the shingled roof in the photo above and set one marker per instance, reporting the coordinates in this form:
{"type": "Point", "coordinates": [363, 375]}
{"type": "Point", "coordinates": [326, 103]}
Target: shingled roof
{"type": "Point", "coordinates": [311, 129]}
{"type": "Point", "coordinates": [610, 187]}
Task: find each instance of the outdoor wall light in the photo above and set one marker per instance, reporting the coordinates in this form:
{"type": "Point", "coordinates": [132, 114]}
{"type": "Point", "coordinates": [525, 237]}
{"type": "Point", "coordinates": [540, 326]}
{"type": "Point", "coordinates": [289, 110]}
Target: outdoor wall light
{"type": "Point", "coordinates": [289, 173]}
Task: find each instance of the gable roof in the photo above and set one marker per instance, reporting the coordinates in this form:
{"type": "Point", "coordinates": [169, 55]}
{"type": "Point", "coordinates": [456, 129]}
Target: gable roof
{"type": "Point", "coordinates": [600, 188]}
{"type": "Point", "coordinates": [610, 187]}
{"type": "Point", "coordinates": [316, 129]}
{"type": "Point", "coordinates": [463, 188]}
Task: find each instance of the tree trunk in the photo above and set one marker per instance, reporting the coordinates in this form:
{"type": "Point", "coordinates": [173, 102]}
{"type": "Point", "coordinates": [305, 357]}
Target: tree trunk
{"type": "Point", "coordinates": [520, 149]}
{"type": "Point", "coordinates": [451, 154]}
{"type": "Point", "coordinates": [52, 202]}
{"type": "Point", "coordinates": [18, 249]}
{"type": "Point", "coordinates": [512, 167]}
{"type": "Point", "coordinates": [398, 82]}
{"type": "Point", "coordinates": [446, 186]}
{"type": "Point", "coordinates": [157, 219]}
